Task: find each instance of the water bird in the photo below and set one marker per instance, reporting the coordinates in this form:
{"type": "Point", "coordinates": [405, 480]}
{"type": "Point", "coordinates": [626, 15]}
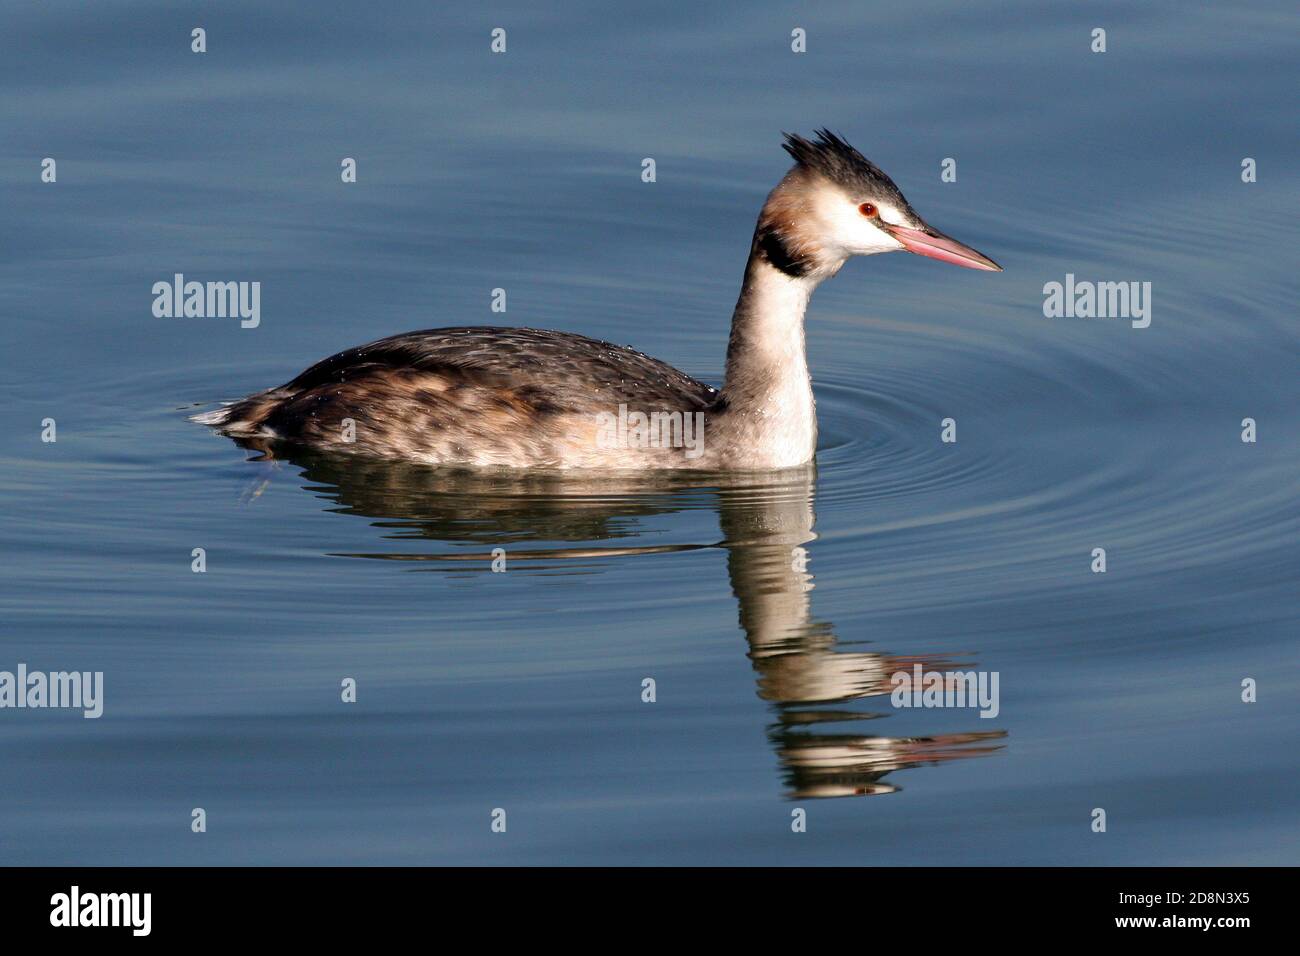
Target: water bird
{"type": "Point", "coordinates": [532, 398]}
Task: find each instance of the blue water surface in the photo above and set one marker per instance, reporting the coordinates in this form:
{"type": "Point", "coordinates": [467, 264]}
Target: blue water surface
{"type": "Point", "coordinates": [522, 691]}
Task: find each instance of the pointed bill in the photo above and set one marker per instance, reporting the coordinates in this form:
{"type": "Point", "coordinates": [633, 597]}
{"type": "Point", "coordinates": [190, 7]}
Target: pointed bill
{"type": "Point", "coordinates": [934, 244]}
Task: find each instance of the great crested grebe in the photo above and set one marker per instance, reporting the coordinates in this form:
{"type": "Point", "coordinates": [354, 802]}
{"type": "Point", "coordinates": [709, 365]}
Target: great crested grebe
{"type": "Point", "coordinates": [528, 398]}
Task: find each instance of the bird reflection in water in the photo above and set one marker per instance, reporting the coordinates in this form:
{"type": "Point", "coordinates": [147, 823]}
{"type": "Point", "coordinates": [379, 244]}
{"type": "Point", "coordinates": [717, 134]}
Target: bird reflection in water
{"type": "Point", "coordinates": [766, 520]}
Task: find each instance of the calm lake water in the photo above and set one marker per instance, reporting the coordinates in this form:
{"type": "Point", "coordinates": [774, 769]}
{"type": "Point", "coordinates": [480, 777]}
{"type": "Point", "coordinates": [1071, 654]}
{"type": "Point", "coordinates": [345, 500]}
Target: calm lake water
{"type": "Point", "coordinates": [522, 690]}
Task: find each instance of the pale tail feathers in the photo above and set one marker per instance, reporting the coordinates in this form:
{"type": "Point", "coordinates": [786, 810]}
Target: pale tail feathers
{"type": "Point", "coordinates": [244, 417]}
{"type": "Point", "coordinates": [216, 417]}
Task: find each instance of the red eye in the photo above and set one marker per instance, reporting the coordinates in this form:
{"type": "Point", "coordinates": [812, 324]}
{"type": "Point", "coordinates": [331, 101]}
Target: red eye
{"type": "Point", "coordinates": [867, 209]}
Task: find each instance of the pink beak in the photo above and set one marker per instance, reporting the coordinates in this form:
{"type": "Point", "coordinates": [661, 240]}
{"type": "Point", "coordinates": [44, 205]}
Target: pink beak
{"type": "Point", "coordinates": [933, 243]}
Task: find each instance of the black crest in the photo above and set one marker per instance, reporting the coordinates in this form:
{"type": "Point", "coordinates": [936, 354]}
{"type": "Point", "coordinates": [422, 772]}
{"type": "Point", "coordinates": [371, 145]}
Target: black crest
{"type": "Point", "coordinates": [839, 162]}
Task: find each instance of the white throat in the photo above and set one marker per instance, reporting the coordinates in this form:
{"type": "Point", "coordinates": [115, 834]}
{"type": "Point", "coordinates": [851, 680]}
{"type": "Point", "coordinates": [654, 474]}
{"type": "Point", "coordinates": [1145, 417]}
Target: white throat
{"type": "Point", "coordinates": [770, 418]}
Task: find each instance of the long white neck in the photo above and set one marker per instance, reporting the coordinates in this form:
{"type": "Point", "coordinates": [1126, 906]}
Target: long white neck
{"type": "Point", "coordinates": [767, 395]}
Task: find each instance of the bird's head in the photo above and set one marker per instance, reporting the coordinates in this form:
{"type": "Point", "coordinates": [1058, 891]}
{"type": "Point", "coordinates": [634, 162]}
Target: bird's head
{"type": "Point", "coordinates": [835, 203]}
